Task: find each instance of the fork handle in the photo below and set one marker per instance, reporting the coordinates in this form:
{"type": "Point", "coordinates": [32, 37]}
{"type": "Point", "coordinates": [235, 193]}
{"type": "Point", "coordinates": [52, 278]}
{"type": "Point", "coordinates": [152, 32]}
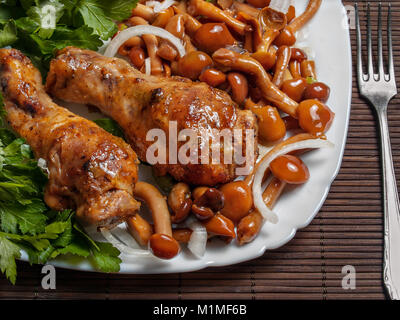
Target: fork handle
{"type": "Point", "coordinates": [391, 259]}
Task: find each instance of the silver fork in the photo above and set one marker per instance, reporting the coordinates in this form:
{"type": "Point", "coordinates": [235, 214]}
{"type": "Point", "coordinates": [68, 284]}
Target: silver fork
{"type": "Point", "coordinates": [379, 89]}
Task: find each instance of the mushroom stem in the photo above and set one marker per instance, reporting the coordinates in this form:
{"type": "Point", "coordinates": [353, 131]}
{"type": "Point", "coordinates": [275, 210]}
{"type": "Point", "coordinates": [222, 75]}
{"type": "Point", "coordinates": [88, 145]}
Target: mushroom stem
{"type": "Point", "coordinates": [267, 38]}
{"type": "Point", "coordinates": [143, 11]}
{"type": "Point", "coordinates": [187, 43]}
{"type": "Point", "coordinates": [176, 27]}
{"type": "Point", "coordinates": [191, 23]}
{"type": "Point", "coordinates": [300, 21]}
{"type": "Point", "coordinates": [157, 205]}
{"type": "Point", "coordinates": [236, 61]}
{"type": "Point", "coordinates": [307, 69]}
{"type": "Point", "coordinates": [256, 34]}
{"type": "Point", "coordinates": [287, 35]}
{"type": "Point", "coordinates": [250, 225]}
{"type": "Point", "coordinates": [161, 242]}
{"type": "Point", "coordinates": [180, 202]}
{"type": "Point", "coordinates": [163, 17]}
{"type": "Point", "coordinates": [295, 69]}
{"type": "Point", "coordinates": [281, 65]}
{"type": "Point", "coordinates": [151, 43]}
{"type": "Point", "coordinates": [298, 137]}
{"type": "Point", "coordinates": [245, 8]}
{"type": "Point", "coordinates": [273, 191]}
{"type": "Point", "coordinates": [271, 22]}
{"type": "Point", "coordinates": [204, 8]}
{"type": "Point", "coordinates": [140, 229]}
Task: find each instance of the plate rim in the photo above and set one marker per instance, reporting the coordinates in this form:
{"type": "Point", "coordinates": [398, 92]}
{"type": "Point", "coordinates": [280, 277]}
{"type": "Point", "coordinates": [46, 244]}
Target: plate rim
{"type": "Point", "coordinates": [262, 250]}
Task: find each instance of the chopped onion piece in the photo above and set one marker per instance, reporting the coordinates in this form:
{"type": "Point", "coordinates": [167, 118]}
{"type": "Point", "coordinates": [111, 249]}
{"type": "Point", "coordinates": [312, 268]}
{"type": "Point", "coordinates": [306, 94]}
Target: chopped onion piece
{"type": "Point", "coordinates": [267, 213]}
{"type": "Point", "coordinates": [128, 33]}
{"type": "Point", "coordinates": [198, 238]}
{"type": "Point", "coordinates": [280, 5]}
{"type": "Point", "coordinates": [152, 4]}
{"type": "Point", "coordinates": [160, 6]}
{"type": "Point", "coordinates": [42, 164]}
{"type": "Point", "coordinates": [121, 246]}
{"type": "Point", "coordinates": [147, 66]}
{"type": "Point", "coordinates": [123, 234]}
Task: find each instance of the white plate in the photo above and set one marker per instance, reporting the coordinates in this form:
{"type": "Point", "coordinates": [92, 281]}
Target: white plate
{"type": "Point", "coordinates": [328, 37]}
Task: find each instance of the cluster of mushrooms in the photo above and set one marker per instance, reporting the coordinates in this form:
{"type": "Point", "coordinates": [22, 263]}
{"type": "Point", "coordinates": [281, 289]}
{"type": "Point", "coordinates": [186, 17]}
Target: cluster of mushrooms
{"type": "Point", "coordinates": [246, 48]}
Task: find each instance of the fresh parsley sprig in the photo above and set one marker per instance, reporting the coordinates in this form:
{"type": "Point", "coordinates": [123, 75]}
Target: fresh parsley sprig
{"type": "Point", "coordinates": [40, 27]}
{"type": "Point", "coordinates": [26, 223]}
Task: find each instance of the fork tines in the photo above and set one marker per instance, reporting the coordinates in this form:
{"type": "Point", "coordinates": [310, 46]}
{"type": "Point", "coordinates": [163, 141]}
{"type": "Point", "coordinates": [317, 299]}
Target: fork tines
{"type": "Point", "coordinates": [371, 75]}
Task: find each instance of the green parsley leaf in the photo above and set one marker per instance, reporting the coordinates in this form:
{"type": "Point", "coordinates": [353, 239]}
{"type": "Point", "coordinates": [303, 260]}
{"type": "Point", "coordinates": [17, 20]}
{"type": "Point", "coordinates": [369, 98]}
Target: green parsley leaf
{"type": "Point", "coordinates": [77, 247]}
{"type": "Point", "coordinates": [310, 80]}
{"type": "Point", "coordinates": [9, 34]}
{"type": "Point", "coordinates": [106, 259]}
{"type": "Point", "coordinates": [39, 242]}
{"type": "Point", "coordinates": [82, 37]}
{"type": "Point", "coordinates": [118, 9]}
{"type": "Point", "coordinates": [6, 136]}
{"type": "Point", "coordinates": [66, 237]}
{"type": "Point", "coordinates": [10, 11]}
{"type": "Point", "coordinates": [27, 24]}
{"type": "Point", "coordinates": [110, 126]}
{"type": "Point", "coordinates": [98, 14]}
{"type": "Point", "coordinates": [82, 232]}
{"type": "Point", "coordinates": [47, 14]}
{"type": "Point", "coordinates": [93, 16]}
{"type": "Point", "coordinates": [25, 221]}
{"type": "Point", "coordinates": [26, 218]}
{"type": "Point", "coordinates": [26, 4]}
{"type": "Point", "coordinates": [57, 227]}
{"type": "Point", "coordinates": [8, 253]}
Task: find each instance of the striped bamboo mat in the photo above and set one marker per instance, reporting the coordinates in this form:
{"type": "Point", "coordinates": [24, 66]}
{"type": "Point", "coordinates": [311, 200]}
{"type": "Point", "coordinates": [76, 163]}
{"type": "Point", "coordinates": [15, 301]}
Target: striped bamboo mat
{"type": "Point", "coordinates": [347, 231]}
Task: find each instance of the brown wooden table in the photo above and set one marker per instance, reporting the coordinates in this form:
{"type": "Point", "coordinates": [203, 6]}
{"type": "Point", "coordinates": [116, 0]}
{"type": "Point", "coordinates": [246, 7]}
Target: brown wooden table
{"type": "Point", "coordinates": [347, 231]}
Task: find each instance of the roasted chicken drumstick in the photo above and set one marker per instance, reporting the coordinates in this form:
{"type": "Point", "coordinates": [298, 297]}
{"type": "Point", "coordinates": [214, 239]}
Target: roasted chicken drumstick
{"type": "Point", "coordinates": [139, 102]}
{"type": "Point", "coordinates": [89, 169]}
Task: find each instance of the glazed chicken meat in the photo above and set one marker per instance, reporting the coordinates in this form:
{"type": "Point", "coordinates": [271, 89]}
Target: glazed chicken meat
{"type": "Point", "coordinates": [139, 103]}
{"type": "Point", "coordinates": [89, 169]}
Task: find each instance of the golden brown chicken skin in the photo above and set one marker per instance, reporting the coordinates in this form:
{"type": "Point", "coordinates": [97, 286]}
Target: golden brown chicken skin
{"type": "Point", "coordinates": [139, 102]}
{"type": "Point", "coordinates": [89, 169]}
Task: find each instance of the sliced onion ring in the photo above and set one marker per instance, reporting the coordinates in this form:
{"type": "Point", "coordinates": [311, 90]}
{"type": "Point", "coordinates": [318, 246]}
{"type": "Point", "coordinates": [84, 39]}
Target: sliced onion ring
{"type": "Point", "coordinates": [147, 66]}
{"type": "Point", "coordinates": [198, 238]}
{"type": "Point", "coordinates": [160, 6]}
{"type": "Point", "coordinates": [125, 237]}
{"type": "Point", "coordinates": [121, 246]}
{"type": "Point", "coordinates": [128, 33]}
{"type": "Point", "coordinates": [267, 213]}
{"type": "Point", "coordinates": [280, 5]}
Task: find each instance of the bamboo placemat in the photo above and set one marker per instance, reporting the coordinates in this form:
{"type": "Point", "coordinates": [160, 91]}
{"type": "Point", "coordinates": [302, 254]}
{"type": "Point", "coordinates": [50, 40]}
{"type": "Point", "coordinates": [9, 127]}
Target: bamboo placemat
{"type": "Point", "coordinates": [347, 231]}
